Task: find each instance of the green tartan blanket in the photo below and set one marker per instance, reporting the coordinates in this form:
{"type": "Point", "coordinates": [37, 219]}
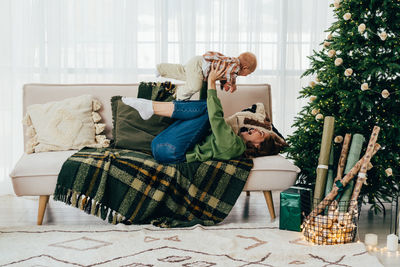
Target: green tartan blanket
{"type": "Point", "coordinates": [131, 187]}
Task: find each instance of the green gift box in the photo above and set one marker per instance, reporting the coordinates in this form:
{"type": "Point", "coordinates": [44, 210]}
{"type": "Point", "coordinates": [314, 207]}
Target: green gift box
{"type": "Point", "coordinates": [294, 205]}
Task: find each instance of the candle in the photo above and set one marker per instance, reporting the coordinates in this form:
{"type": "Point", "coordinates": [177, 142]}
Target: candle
{"type": "Point", "coordinates": [392, 242]}
{"type": "Point", "coordinates": [371, 240]}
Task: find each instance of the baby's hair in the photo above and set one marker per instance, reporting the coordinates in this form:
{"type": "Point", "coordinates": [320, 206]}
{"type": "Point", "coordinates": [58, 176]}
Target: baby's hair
{"type": "Point", "coordinates": [249, 59]}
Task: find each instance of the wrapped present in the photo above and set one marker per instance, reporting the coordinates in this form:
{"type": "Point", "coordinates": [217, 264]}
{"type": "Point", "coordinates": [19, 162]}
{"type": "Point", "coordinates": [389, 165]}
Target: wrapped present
{"type": "Point", "coordinates": [295, 204]}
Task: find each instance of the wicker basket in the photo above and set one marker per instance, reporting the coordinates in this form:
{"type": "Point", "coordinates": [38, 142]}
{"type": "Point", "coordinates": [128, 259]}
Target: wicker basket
{"type": "Point", "coordinates": [337, 224]}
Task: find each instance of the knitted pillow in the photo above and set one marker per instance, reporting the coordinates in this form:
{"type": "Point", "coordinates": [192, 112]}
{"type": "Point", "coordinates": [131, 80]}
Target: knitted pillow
{"type": "Point", "coordinates": [63, 125]}
{"type": "Point", "coordinates": [252, 117]}
{"type": "Point", "coordinates": [255, 117]}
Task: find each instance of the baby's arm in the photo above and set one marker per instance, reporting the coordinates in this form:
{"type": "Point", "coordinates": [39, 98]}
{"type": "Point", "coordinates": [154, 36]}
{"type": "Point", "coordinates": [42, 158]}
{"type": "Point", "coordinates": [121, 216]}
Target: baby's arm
{"type": "Point", "coordinates": [230, 84]}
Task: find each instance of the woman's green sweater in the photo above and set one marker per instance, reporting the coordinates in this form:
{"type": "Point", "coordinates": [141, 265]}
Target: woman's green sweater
{"type": "Point", "coordinates": [222, 143]}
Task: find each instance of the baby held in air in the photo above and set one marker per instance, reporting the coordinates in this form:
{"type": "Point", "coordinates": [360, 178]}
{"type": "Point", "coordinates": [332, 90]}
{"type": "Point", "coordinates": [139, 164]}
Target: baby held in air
{"type": "Point", "coordinates": [197, 69]}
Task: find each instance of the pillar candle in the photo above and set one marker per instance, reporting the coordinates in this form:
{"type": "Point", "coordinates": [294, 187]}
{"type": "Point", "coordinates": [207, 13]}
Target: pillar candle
{"type": "Point", "coordinates": [392, 242]}
{"type": "Point", "coordinates": [371, 240]}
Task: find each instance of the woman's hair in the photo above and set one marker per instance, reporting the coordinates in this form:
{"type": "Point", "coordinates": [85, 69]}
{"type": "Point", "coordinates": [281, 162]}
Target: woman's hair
{"type": "Point", "coordinates": [272, 145]}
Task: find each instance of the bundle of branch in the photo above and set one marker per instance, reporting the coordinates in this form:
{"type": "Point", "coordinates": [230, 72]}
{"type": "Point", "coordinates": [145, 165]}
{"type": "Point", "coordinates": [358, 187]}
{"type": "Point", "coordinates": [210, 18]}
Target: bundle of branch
{"type": "Point", "coordinates": [373, 147]}
{"type": "Point", "coordinates": [362, 175]}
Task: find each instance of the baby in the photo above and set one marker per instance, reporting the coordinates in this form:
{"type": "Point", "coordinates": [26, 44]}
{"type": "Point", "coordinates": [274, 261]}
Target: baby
{"type": "Point", "coordinates": [197, 69]}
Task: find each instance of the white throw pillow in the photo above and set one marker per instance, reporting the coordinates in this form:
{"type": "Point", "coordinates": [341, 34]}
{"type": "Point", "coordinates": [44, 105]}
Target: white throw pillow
{"type": "Point", "coordinates": [63, 125]}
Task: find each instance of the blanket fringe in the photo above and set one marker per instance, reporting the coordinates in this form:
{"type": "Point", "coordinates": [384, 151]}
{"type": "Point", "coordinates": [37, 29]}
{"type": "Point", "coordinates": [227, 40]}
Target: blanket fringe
{"type": "Point", "coordinates": [88, 205]}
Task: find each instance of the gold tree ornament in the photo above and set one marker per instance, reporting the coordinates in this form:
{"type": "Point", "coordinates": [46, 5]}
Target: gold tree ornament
{"type": "Point", "coordinates": [347, 16]}
{"type": "Point", "coordinates": [338, 61]}
{"type": "Point", "coordinates": [385, 93]}
{"type": "Point", "coordinates": [364, 86]}
{"type": "Point", "coordinates": [361, 28]}
{"type": "Point", "coordinates": [329, 37]}
{"type": "Point", "coordinates": [326, 44]}
{"type": "Point", "coordinates": [348, 72]}
{"type": "Point", "coordinates": [312, 98]}
{"type": "Point", "coordinates": [389, 172]}
{"type": "Point", "coordinates": [312, 83]}
{"type": "Point", "coordinates": [336, 4]}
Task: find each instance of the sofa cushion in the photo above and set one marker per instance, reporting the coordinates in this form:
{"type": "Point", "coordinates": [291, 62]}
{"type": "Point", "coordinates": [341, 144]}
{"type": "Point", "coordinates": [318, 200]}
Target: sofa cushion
{"type": "Point", "coordinates": [36, 174]}
{"type": "Point", "coordinates": [63, 125]}
{"type": "Point", "coordinates": [130, 130]}
{"type": "Point", "coordinates": [271, 173]}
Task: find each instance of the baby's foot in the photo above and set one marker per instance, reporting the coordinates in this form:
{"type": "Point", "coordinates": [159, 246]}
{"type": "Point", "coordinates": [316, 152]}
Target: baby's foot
{"type": "Point", "coordinates": [143, 106]}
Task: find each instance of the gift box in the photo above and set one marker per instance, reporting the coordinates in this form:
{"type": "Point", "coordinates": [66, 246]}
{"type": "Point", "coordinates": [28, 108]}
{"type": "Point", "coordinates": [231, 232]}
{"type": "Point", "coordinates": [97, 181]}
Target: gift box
{"type": "Point", "coordinates": [295, 204]}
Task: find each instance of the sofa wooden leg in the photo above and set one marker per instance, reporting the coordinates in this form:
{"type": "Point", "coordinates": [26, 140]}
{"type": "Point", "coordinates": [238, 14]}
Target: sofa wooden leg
{"type": "Point", "coordinates": [248, 193]}
{"type": "Point", "coordinates": [270, 203]}
{"type": "Point", "coordinates": [43, 200]}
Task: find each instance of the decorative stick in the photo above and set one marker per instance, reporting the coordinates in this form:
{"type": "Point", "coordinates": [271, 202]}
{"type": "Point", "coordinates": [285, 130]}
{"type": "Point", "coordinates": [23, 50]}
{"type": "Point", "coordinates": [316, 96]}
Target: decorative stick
{"type": "Point", "coordinates": [330, 197]}
{"type": "Point", "coordinates": [362, 175]}
{"type": "Point", "coordinates": [343, 157]}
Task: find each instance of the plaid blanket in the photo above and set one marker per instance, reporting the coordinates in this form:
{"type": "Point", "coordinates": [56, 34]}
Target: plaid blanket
{"type": "Point", "coordinates": [131, 187]}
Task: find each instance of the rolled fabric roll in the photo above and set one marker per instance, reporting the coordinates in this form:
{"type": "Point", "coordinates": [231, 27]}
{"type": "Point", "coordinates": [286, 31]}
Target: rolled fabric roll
{"type": "Point", "coordinates": [353, 157]}
{"type": "Point", "coordinates": [329, 179]}
{"type": "Point", "coordinates": [323, 160]}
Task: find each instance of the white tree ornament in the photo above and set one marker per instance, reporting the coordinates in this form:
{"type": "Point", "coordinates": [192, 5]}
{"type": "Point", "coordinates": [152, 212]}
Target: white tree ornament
{"type": "Point", "coordinates": [331, 53]}
{"type": "Point", "coordinates": [348, 72]}
{"type": "Point", "coordinates": [338, 61]}
{"type": "Point", "coordinates": [338, 139]}
{"type": "Point", "coordinates": [347, 16]}
{"type": "Point", "coordinates": [385, 93]}
{"type": "Point", "coordinates": [315, 111]}
{"type": "Point", "coordinates": [364, 86]}
{"type": "Point", "coordinates": [361, 28]}
{"type": "Point", "coordinates": [319, 117]}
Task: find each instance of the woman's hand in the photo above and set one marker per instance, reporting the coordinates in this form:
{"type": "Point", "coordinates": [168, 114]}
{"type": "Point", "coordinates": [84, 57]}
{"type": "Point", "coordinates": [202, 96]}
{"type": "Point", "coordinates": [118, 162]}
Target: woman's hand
{"type": "Point", "coordinates": [215, 74]}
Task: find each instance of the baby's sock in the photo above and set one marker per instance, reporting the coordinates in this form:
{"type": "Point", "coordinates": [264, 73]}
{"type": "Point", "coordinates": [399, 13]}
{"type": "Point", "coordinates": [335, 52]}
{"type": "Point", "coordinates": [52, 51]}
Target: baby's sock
{"type": "Point", "coordinates": [143, 106]}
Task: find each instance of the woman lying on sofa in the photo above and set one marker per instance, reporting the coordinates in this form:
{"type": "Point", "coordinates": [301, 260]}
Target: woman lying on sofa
{"type": "Point", "coordinates": [189, 137]}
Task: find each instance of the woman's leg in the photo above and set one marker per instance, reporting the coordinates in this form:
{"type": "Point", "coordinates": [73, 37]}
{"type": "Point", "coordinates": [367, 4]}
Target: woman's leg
{"type": "Point", "coordinates": [164, 109]}
{"type": "Point", "coordinates": [183, 110]}
{"type": "Point", "coordinates": [177, 109]}
{"type": "Point", "coordinates": [171, 145]}
{"type": "Point", "coordinates": [187, 110]}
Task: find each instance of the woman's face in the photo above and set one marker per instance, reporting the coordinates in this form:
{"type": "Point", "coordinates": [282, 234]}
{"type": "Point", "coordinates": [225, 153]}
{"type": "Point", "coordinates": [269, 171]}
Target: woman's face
{"type": "Point", "coordinates": [255, 136]}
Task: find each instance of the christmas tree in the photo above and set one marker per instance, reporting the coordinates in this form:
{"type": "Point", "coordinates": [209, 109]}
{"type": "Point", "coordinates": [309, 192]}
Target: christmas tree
{"type": "Point", "coordinates": [356, 79]}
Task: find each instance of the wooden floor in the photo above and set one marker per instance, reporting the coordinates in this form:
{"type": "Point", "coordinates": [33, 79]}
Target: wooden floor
{"type": "Point", "coordinates": [22, 211]}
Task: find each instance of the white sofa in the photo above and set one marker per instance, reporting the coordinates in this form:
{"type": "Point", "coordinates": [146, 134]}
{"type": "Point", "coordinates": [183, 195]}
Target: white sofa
{"type": "Point", "coordinates": [36, 174]}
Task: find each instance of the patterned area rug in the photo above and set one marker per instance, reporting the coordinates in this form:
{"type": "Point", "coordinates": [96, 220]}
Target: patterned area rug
{"type": "Point", "coordinates": [198, 246]}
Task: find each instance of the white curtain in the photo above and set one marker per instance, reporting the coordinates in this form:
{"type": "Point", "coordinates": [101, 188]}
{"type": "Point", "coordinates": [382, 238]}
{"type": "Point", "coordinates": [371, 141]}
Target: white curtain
{"type": "Point", "coordinates": [109, 41]}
